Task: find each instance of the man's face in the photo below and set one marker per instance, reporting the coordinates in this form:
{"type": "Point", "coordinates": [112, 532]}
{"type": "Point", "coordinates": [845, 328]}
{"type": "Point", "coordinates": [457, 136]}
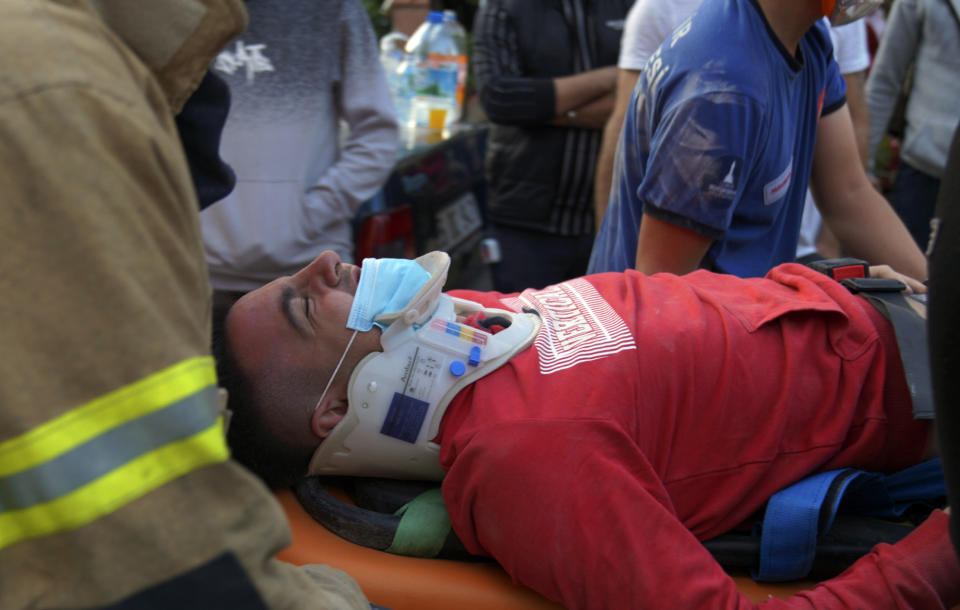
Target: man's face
{"type": "Point", "coordinates": [298, 321]}
{"type": "Point", "coordinates": [287, 337]}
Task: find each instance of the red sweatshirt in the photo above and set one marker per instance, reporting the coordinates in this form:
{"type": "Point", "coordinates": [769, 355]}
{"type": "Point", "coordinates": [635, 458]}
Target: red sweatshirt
{"type": "Point", "coordinates": [655, 412]}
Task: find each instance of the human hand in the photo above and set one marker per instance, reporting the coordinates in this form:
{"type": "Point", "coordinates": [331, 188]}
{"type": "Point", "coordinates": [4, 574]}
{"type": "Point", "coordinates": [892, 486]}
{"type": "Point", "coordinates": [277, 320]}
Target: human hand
{"type": "Point", "coordinates": [876, 183]}
{"type": "Point", "coordinates": [885, 271]}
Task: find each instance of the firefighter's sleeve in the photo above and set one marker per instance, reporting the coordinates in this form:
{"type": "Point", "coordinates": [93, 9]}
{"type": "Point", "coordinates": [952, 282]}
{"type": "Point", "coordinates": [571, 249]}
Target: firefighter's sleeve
{"type": "Point", "coordinates": [116, 488]}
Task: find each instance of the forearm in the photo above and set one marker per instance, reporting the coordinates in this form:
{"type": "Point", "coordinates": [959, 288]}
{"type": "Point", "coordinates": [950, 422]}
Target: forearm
{"type": "Point", "coordinates": [858, 215]}
{"type": "Point", "coordinates": [868, 228]}
{"type": "Point", "coordinates": [513, 100]}
{"type": "Point", "coordinates": [578, 90]}
{"type": "Point", "coordinates": [603, 182]}
{"type": "Point", "coordinates": [592, 115]}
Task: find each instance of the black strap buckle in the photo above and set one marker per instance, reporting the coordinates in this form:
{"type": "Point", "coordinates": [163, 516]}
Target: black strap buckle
{"type": "Point", "coordinates": [873, 284]}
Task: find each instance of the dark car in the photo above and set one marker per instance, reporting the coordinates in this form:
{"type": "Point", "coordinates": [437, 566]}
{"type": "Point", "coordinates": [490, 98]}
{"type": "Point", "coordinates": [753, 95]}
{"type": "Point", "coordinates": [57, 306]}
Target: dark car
{"type": "Point", "coordinates": [435, 199]}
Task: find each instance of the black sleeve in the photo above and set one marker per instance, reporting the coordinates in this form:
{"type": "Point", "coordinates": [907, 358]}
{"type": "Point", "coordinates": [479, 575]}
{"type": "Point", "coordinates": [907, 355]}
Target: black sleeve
{"type": "Point", "coordinates": [200, 124]}
{"type": "Point", "coordinates": [944, 328]}
{"type": "Point", "coordinates": [505, 93]}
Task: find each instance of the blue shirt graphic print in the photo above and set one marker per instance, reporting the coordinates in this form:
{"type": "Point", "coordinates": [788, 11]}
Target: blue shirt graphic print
{"type": "Point", "coordinates": [719, 139]}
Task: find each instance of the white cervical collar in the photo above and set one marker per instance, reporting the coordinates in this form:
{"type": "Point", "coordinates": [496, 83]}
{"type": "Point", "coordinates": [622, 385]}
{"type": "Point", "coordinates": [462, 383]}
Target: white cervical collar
{"type": "Point", "coordinates": [397, 397]}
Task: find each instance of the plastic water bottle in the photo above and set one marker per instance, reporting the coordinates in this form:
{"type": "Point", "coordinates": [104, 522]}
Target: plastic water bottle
{"type": "Point", "coordinates": [459, 36]}
{"type": "Point", "coordinates": [392, 50]}
{"type": "Point", "coordinates": [392, 56]}
{"type": "Point", "coordinates": [433, 65]}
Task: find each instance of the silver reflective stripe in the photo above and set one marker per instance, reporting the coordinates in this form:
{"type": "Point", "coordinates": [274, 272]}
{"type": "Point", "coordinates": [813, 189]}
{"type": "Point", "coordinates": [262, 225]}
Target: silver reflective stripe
{"type": "Point", "coordinates": [108, 451]}
{"type": "Point", "coordinates": [96, 458]}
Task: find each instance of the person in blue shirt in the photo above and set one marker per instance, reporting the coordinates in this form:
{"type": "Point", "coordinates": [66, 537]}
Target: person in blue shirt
{"type": "Point", "coordinates": [735, 112]}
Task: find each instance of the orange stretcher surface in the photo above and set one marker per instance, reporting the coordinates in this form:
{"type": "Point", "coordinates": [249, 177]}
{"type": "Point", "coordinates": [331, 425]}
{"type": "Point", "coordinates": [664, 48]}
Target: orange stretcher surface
{"type": "Point", "coordinates": [410, 583]}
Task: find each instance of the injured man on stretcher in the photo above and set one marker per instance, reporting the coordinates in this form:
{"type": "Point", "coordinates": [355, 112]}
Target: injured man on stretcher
{"type": "Point", "coordinates": [590, 434]}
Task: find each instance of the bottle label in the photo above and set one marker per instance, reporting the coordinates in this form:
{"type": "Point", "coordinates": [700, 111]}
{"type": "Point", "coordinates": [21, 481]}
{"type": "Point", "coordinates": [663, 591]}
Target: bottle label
{"type": "Point", "coordinates": [436, 80]}
{"type": "Point", "coordinates": [455, 63]}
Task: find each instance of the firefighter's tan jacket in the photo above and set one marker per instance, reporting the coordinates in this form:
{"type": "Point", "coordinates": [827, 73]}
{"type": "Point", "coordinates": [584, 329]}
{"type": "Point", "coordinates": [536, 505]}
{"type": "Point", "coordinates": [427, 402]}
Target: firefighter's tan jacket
{"type": "Point", "coordinates": [114, 475]}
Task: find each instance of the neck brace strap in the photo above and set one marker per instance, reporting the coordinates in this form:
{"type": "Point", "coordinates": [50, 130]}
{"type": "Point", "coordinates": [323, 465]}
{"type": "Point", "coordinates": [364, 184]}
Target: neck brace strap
{"type": "Point", "coordinates": [397, 397]}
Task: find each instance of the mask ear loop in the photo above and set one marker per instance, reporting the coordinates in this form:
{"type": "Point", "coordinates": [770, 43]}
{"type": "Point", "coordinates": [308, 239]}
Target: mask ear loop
{"type": "Point", "coordinates": [336, 370]}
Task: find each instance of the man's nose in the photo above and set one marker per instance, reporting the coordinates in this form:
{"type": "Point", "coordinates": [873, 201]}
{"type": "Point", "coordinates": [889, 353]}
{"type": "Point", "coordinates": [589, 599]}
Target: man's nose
{"type": "Point", "coordinates": [322, 268]}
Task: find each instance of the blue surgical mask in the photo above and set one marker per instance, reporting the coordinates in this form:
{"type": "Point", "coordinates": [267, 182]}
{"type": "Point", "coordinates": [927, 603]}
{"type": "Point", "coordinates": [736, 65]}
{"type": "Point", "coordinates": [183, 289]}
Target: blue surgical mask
{"type": "Point", "coordinates": [386, 285]}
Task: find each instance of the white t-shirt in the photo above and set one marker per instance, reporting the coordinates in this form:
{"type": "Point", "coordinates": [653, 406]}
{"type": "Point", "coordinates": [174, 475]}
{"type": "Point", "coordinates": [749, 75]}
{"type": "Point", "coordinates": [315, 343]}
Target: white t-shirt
{"type": "Point", "coordinates": [649, 22]}
{"type": "Point", "coordinates": [850, 46]}
{"type": "Point", "coordinates": [852, 55]}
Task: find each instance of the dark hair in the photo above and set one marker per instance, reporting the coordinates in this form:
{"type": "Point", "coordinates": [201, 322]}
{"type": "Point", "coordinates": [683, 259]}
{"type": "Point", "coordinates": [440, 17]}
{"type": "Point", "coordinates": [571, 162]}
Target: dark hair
{"type": "Point", "coordinates": [248, 434]}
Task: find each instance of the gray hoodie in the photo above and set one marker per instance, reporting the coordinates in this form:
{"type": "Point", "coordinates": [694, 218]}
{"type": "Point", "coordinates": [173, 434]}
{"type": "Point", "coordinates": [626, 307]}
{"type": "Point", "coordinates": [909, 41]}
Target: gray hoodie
{"type": "Point", "coordinates": [927, 32]}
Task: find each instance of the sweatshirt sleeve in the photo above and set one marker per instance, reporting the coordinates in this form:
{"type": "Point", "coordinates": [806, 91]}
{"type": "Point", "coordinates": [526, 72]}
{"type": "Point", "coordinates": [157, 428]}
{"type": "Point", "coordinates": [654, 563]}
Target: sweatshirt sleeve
{"type": "Point", "coordinates": [364, 102]}
{"type": "Point", "coordinates": [897, 51]}
{"type": "Point", "coordinates": [577, 513]}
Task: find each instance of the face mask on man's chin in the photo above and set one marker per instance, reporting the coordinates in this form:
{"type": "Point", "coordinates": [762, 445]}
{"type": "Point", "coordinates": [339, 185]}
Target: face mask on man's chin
{"type": "Point", "coordinates": [842, 12]}
{"type": "Point", "coordinates": [386, 285]}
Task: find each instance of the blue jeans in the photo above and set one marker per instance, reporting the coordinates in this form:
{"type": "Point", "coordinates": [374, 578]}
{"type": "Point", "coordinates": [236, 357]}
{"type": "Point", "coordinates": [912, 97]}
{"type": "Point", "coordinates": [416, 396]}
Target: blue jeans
{"type": "Point", "coordinates": [914, 198]}
{"type": "Point", "coordinates": [533, 259]}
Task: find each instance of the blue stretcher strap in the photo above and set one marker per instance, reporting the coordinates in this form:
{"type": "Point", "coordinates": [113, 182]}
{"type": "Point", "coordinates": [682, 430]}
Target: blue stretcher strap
{"type": "Point", "coordinates": [788, 540]}
{"type": "Point", "coordinates": [798, 515]}
{"type": "Point", "coordinates": [891, 495]}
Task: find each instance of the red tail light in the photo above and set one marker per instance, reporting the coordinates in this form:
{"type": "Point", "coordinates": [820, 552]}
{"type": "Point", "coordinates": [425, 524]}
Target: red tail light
{"type": "Point", "coordinates": [388, 234]}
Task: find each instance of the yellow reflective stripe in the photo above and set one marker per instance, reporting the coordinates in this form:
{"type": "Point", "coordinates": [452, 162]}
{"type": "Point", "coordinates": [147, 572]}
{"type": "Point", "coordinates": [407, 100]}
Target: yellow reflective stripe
{"type": "Point", "coordinates": [87, 421]}
{"type": "Point", "coordinates": [123, 485]}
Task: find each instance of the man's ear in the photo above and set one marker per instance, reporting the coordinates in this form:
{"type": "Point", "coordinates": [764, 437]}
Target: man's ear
{"type": "Point", "coordinates": [327, 415]}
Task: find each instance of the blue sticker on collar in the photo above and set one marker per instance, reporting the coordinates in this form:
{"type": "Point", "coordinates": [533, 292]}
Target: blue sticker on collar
{"type": "Point", "coordinates": [405, 417]}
